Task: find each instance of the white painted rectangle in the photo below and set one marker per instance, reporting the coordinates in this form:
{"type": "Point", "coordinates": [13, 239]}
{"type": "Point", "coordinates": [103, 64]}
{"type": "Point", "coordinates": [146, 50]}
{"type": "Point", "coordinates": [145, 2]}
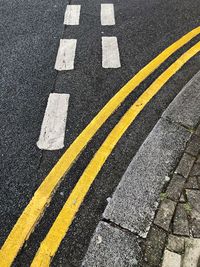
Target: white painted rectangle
{"type": "Point", "coordinates": [66, 54]}
{"type": "Point", "coordinates": [107, 14]}
{"type": "Point", "coordinates": [110, 53]}
{"type": "Point", "coordinates": [72, 15]}
{"type": "Point", "coordinates": [52, 132]}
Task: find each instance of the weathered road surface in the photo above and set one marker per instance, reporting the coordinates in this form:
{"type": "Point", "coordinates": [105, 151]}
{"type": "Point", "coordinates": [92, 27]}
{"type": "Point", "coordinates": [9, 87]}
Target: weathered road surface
{"type": "Point", "coordinates": [30, 35]}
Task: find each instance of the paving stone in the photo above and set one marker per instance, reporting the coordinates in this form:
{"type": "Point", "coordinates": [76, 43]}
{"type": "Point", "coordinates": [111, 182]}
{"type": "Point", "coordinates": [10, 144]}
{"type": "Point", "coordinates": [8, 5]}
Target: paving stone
{"type": "Point", "coordinates": [171, 259]}
{"type": "Point", "coordinates": [112, 247]}
{"type": "Point", "coordinates": [176, 244]}
{"type": "Point", "coordinates": [195, 170]}
{"type": "Point", "coordinates": [145, 264]}
{"type": "Point", "coordinates": [155, 245]}
{"type": "Point", "coordinates": [192, 183]}
{"type": "Point", "coordinates": [195, 226]}
{"type": "Point", "coordinates": [192, 252]}
{"type": "Point", "coordinates": [194, 201]}
{"type": "Point", "coordinates": [185, 108]}
{"type": "Point", "coordinates": [180, 224]}
{"type": "Point", "coordinates": [182, 198]}
{"type": "Point", "coordinates": [134, 202]}
{"type": "Point", "coordinates": [165, 214]}
{"type": "Point", "coordinates": [193, 146]}
{"type": "Point", "coordinates": [185, 165]}
{"type": "Point", "coordinates": [198, 130]}
{"type": "Point", "coordinates": [198, 264]}
{"type": "Point", "coordinates": [175, 187]}
{"type": "Point", "coordinates": [198, 181]}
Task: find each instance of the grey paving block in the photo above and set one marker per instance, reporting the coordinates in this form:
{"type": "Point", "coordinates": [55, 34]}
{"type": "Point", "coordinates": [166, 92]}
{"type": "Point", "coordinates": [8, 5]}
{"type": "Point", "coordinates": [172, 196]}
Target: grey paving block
{"type": "Point", "coordinates": [180, 224]}
{"type": "Point", "coordinates": [198, 130]}
{"type": "Point", "coordinates": [185, 108]}
{"type": "Point", "coordinates": [198, 181]}
{"type": "Point", "coordinates": [194, 202]}
{"type": "Point", "coordinates": [175, 187]}
{"type": "Point", "coordinates": [195, 227]}
{"type": "Point", "coordinates": [135, 200]}
{"type": "Point", "coordinates": [182, 198]}
{"type": "Point", "coordinates": [192, 183]}
{"type": "Point", "coordinates": [155, 245]}
{"type": "Point", "coordinates": [195, 170]}
{"type": "Point", "coordinates": [193, 146]}
{"type": "Point", "coordinates": [185, 165]}
{"type": "Point", "coordinates": [176, 244]}
{"type": "Point", "coordinates": [165, 214]}
{"type": "Point", "coordinates": [112, 247]}
{"type": "Point", "coordinates": [191, 256]}
{"type": "Point", "coordinates": [171, 259]}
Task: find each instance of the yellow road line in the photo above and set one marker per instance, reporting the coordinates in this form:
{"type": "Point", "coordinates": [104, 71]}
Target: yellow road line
{"type": "Point", "coordinates": [35, 209]}
{"type": "Point", "coordinates": [61, 225]}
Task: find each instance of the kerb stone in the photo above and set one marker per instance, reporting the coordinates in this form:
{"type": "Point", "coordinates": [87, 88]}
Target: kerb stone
{"type": "Point", "coordinates": [136, 198]}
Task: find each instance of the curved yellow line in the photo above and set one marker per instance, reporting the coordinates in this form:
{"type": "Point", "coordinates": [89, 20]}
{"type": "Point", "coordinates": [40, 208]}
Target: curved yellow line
{"type": "Point", "coordinates": [35, 209]}
{"type": "Point", "coordinates": [50, 244]}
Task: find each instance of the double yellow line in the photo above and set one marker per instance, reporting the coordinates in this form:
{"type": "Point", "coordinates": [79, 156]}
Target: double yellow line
{"type": "Point", "coordinates": [35, 209]}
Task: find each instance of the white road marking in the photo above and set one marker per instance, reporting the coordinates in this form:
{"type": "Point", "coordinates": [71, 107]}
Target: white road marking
{"type": "Point", "coordinates": [110, 53]}
{"type": "Point", "coordinates": [72, 15]}
{"type": "Point", "coordinates": [66, 54]}
{"type": "Point", "coordinates": [107, 14]}
{"type": "Point", "coordinates": [52, 132]}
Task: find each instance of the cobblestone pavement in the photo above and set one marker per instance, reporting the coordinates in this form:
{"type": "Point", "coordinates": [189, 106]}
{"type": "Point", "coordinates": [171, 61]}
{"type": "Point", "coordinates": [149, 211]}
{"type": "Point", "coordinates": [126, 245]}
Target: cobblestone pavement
{"type": "Point", "coordinates": [174, 238]}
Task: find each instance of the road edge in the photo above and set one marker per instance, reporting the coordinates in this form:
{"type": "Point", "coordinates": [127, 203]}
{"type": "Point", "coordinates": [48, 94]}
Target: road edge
{"type": "Point", "coordinates": [116, 241]}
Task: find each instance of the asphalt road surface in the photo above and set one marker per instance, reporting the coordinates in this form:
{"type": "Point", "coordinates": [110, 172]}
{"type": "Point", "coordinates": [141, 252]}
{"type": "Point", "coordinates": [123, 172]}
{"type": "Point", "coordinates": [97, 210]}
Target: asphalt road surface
{"type": "Point", "coordinates": [30, 35]}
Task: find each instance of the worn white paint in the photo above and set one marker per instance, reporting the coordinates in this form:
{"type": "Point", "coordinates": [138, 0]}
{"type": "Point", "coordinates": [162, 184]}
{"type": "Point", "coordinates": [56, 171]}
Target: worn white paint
{"type": "Point", "coordinates": [66, 54]}
{"type": "Point", "coordinates": [52, 132]}
{"type": "Point", "coordinates": [110, 53]}
{"type": "Point", "coordinates": [72, 15]}
{"type": "Point", "coordinates": [107, 14]}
